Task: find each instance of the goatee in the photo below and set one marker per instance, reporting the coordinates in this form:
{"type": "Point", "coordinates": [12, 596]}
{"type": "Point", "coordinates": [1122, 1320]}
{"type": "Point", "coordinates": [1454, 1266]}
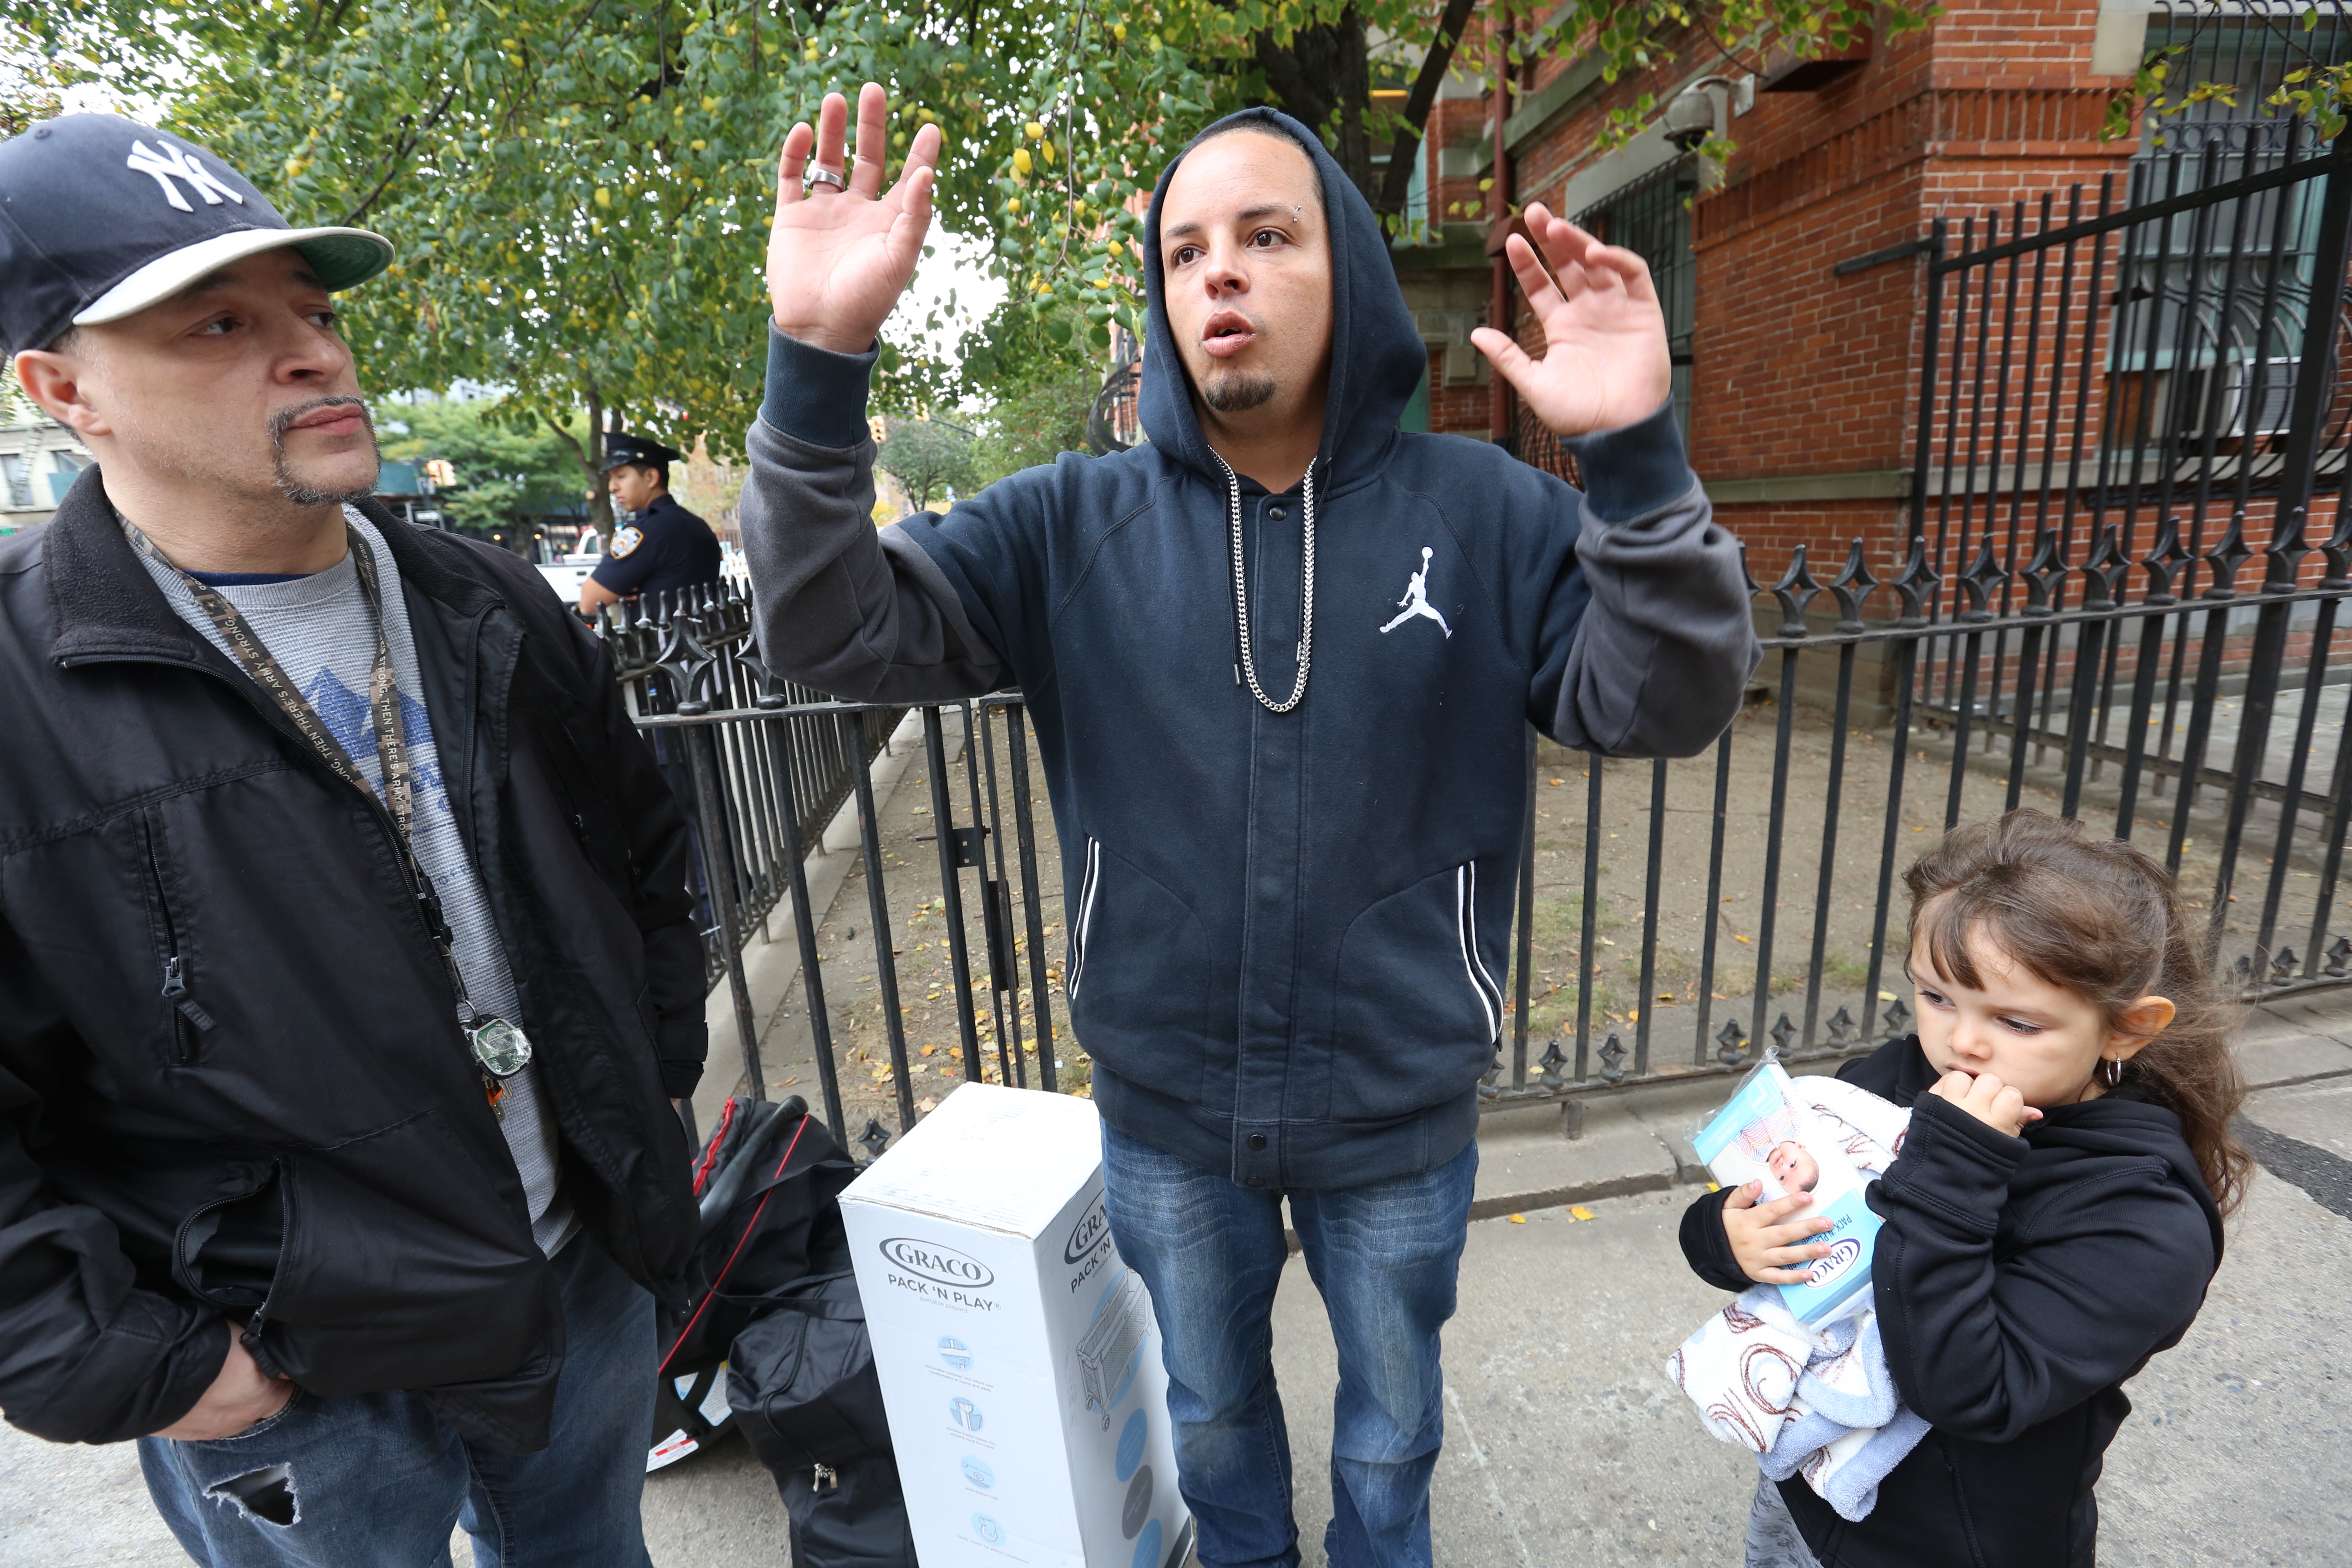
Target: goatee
{"type": "Point", "coordinates": [1238, 392]}
{"type": "Point", "coordinates": [299, 490]}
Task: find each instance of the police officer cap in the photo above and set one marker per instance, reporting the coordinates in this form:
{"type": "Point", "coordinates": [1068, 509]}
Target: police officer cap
{"type": "Point", "coordinates": [101, 217]}
{"type": "Point", "coordinates": [638, 452]}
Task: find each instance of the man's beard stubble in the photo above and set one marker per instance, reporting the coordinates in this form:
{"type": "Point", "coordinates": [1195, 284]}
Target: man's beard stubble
{"type": "Point", "coordinates": [1238, 392]}
{"type": "Point", "coordinates": [292, 485]}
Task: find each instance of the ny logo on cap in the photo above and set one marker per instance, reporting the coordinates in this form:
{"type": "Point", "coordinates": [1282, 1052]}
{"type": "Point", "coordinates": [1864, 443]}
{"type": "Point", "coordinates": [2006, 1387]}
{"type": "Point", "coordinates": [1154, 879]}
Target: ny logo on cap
{"type": "Point", "coordinates": [172, 163]}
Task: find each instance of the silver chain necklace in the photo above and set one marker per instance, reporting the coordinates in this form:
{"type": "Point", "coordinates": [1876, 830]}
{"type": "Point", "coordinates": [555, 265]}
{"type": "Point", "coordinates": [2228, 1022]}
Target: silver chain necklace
{"type": "Point", "coordinates": [1248, 668]}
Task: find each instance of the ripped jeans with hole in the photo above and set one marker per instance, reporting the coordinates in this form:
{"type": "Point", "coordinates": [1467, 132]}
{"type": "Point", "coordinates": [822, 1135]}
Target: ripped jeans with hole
{"type": "Point", "coordinates": [374, 1481]}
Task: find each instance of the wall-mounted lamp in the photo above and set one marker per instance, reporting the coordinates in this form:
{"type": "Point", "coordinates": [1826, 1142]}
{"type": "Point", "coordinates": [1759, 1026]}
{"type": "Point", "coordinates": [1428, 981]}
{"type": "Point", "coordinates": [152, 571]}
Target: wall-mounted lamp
{"type": "Point", "coordinates": [1691, 116]}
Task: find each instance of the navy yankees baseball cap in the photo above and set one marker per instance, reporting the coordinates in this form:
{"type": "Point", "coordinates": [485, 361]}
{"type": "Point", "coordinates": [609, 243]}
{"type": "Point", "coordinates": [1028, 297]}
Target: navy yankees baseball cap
{"type": "Point", "coordinates": [101, 217]}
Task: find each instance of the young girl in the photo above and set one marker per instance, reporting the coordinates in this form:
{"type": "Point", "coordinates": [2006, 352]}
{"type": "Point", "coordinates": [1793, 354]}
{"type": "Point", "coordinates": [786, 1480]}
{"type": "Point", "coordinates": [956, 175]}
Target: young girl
{"type": "Point", "coordinates": [2054, 1215]}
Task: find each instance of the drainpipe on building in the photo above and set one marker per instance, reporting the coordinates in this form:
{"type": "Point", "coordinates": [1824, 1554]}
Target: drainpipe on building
{"type": "Point", "coordinates": [1498, 308]}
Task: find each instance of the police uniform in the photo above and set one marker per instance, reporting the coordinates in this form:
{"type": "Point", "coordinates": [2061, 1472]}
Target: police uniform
{"type": "Point", "coordinates": [663, 547]}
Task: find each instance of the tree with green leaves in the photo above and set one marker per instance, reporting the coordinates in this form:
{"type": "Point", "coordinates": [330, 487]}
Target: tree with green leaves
{"type": "Point", "coordinates": [580, 194]}
{"type": "Point", "coordinates": [506, 474]}
{"type": "Point", "coordinates": [928, 459]}
{"type": "Point", "coordinates": [29, 83]}
{"type": "Point", "coordinates": [1034, 373]}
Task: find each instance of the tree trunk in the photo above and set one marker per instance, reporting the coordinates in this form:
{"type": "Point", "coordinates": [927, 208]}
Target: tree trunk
{"type": "Point", "coordinates": [1398, 182]}
{"type": "Point", "coordinates": [590, 459]}
{"type": "Point", "coordinates": [1324, 79]}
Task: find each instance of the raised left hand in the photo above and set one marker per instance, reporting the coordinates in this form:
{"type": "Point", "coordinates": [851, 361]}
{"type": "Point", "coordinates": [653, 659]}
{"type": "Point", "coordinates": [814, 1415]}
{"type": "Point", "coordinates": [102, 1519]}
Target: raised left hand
{"type": "Point", "coordinates": [1605, 361]}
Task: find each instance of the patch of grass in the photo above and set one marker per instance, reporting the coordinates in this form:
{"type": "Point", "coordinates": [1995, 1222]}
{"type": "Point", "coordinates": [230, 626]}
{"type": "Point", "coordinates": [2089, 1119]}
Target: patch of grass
{"type": "Point", "coordinates": [1840, 970]}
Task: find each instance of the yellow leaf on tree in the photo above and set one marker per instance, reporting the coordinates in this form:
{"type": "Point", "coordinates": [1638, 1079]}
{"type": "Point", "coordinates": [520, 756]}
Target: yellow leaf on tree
{"type": "Point", "coordinates": [604, 197]}
{"type": "Point", "coordinates": [1020, 160]}
{"type": "Point", "coordinates": [1037, 131]}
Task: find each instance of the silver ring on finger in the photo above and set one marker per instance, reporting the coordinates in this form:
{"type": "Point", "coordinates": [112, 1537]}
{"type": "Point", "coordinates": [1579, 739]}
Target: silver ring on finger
{"type": "Point", "coordinates": [820, 175]}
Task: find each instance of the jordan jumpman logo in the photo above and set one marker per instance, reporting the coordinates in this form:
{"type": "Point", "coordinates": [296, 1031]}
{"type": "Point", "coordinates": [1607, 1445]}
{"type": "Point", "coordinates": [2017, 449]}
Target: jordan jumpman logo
{"type": "Point", "coordinates": [1416, 599]}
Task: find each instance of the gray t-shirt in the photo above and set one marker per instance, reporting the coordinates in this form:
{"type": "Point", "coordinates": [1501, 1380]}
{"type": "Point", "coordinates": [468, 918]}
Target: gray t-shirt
{"type": "Point", "coordinates": [318, 630]}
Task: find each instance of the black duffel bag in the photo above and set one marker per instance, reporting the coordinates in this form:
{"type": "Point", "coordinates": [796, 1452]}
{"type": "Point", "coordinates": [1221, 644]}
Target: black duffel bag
{"type": "Point", "coordinates": [766, 1190]}
{"type": "Point", "coordinates": [772, 1299]}
{"type": "Point", "coordinates": [763, 1186]}
{"type": "Point", "coordinates": [803, 1390]}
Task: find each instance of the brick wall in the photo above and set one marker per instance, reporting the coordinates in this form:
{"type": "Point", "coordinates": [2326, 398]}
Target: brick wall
{"type": "Point", "coordinates": [1810, 380]}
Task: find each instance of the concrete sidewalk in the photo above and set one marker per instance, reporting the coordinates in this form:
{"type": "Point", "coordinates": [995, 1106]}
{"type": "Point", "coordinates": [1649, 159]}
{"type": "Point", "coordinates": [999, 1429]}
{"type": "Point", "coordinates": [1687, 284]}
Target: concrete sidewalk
{"type": "Point", "coordinates": [1565, 1442]}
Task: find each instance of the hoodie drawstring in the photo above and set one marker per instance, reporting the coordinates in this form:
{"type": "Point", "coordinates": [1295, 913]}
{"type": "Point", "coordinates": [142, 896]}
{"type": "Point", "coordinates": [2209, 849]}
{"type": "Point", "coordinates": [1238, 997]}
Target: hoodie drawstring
{"type": "Point", "coordinates": [1248, 666]}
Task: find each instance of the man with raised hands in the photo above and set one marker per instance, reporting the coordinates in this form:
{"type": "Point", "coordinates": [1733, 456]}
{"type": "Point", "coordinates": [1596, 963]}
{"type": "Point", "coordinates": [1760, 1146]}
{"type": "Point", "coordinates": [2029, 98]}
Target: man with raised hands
{"type": "Point", "coordinates": [1289, 818]}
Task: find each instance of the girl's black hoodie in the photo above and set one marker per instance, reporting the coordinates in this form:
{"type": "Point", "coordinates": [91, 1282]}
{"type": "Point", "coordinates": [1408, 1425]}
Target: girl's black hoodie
{"type": "Point", "coordinates": [2020, 1281]}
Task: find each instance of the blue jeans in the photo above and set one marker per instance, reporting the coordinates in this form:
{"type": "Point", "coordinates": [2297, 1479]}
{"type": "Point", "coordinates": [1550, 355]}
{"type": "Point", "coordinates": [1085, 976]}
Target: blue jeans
{"type": "Point", "coordinates": [1384, 1256]}
{"type": "Point", "coordinates": [374, 1479]}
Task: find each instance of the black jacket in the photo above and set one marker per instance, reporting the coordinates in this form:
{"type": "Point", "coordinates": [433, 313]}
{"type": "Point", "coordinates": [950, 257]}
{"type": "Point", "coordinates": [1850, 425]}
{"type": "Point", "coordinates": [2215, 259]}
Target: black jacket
{"type": "Point", "coordinates": [2020, 1281]}
{"type": "Point", "coordinates": [323, 1149]}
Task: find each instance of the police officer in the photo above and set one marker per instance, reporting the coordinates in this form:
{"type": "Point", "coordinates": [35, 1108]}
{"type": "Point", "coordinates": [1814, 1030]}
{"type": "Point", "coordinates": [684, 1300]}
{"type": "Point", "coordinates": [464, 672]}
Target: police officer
{"type": "Point", "coordinates": [661, 545]}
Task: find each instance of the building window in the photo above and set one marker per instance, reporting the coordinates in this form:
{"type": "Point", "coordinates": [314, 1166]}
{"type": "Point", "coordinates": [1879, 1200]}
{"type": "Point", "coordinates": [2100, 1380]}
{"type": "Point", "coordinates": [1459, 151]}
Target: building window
{"type": "Point", "coordinates": [65, 467]}
{"type": "Point", "coordinates": [2252, 50]}
{"type": "Point", "coordinates": [1652, 218]}
{"type": "Point", "coordinates": [2190, 363]}
{"type": "Point", "coordinates": [17, 474]}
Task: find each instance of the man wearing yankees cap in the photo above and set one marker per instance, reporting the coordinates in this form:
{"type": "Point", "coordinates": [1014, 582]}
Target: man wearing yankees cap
{"type": "Point", "coordinates": [332, 1170]}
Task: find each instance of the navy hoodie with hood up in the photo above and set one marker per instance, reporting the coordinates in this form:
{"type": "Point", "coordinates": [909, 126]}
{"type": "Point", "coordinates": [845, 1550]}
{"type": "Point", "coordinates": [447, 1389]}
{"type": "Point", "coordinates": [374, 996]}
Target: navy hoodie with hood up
{"type": "Point", "coordinates": [1286, 931]}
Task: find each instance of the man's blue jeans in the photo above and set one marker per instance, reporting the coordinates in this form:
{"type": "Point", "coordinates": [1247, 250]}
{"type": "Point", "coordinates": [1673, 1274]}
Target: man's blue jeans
{"type": "Point", "coordinates": [1385, 1257]}
{"type": "Point", "coordinates": [376, 1480]}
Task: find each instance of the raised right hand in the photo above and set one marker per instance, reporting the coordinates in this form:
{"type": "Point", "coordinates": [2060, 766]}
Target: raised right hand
{"type": "Point", "coordinates": [838, 259]}
{"type": "Point", "coordinates": [1767, 1251]}
{"type": "Point", "coordinates": [241, 1396]}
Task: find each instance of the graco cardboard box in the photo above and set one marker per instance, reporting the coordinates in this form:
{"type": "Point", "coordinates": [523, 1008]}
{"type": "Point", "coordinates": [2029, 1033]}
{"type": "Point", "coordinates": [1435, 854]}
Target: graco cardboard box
{"type": "Point", "coordinates": [1019, 1358]}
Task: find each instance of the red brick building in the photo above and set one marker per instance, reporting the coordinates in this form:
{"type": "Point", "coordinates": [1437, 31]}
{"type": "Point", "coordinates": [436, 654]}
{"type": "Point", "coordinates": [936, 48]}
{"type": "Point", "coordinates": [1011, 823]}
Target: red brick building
{"type": "Point", "coordinates": [1798, 384]}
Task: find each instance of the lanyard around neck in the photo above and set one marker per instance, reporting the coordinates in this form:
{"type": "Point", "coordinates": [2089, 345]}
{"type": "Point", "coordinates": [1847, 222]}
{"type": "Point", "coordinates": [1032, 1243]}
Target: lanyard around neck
{"type": "Point", "coordinates": [399, 794]}
{"type": "Point", "coordinates": [383, 688]}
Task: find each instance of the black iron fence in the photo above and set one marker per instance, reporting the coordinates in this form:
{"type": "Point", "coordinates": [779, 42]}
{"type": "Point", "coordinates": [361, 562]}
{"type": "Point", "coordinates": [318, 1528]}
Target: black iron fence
{"type": "Point", "coordinates": [688, 652]}
{"type": "Point", "coordinates": [2116, 594]}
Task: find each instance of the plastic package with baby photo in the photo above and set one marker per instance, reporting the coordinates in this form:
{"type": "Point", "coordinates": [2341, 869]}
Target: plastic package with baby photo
{"type": "Point", "coordinates": [1770, 1133]}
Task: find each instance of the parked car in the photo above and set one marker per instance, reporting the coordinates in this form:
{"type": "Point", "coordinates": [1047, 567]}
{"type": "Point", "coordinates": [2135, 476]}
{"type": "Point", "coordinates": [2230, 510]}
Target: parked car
{"type": "Point", "coordinates": [567, 574]}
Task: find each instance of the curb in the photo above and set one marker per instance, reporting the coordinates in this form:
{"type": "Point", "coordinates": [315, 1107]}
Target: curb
{"type": "Point", "coordinates": [1582, 1193]}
